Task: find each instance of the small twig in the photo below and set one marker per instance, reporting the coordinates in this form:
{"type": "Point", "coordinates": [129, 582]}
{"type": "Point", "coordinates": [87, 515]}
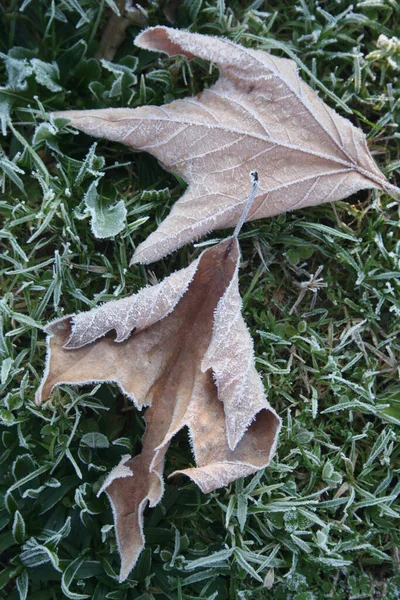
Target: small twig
{"type": "Point", "coordinates": [314, 284]}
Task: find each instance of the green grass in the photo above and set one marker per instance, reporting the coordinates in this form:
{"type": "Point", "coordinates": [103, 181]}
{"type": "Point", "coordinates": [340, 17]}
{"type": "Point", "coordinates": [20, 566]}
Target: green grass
{"type": "Point", "coordinates": [322, 520]}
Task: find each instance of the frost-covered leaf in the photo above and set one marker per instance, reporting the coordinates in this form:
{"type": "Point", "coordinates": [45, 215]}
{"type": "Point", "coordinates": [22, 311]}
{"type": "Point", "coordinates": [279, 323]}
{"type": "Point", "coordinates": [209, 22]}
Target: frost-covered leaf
{"type": "Point", "coordinates": [20, 64]}
{"type": "Point", "coordinates": [107, 221]}
{"type": "Point", "coordinates": [34, 554]}
{"type": "Point", "coordinates": [18, 69]}
{"type": "Point", "coordinates": [94, 439]}
{"type": "Point", "coordinates": [4, 114]}
{"type": "Point", "coordinates": [183, 349]}
{"type": "Point", "coordinates": [5, 369]}
{"type": "Point", "coordinates": [91, 165]}
{"type": "Point", "coordinates": [123, 74]}
{"type": "Point", "coordinates": [23, 585]}
{"type": "Point", "coordinates": [46, 74]}
{"type": "Point", "coordinates": [46, 132]}
{"type": "Point", "coordinates": [68, 577]}
{"type": "Point", "coordinates": [18, 528]}
{"type": "Point", "coordinates": [11, 170]}
{"type": "Point", "coordinates": [258, 116]}
{"type": "Point", "coordinates": [71, 59]}
{"type": "Point", "coordinates": [330, 476]}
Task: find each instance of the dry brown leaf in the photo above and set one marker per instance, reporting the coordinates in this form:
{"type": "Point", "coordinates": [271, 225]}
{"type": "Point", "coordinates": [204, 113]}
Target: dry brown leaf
{"type": "Point", "coordinates": [117, 24]}
{"type": "Point", "coordinates": [258, 116]}
{"type": "Point", "coordinates": [183, 349]}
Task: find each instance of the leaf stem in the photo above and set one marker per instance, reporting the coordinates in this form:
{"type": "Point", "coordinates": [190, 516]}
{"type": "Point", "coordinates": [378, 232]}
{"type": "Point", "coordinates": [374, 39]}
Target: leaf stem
{"type": "Point", "coordinates": [392, 191]}
{"type": "Point", "coordinates": [254, 179]}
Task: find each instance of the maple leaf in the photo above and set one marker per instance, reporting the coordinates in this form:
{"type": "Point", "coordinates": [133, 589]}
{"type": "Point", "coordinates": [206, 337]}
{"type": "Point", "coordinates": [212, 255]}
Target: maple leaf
{"type": "Point", "coordinates": [183, 349]}
{"type": "Point", "coordinates": [258, 116]}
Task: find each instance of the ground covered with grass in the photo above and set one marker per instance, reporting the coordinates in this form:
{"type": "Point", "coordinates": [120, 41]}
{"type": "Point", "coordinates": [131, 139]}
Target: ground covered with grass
{"type": "Point", "coordinates": [322, 520]}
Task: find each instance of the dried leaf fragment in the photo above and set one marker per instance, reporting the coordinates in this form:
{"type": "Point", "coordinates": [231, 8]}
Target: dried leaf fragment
{"type": "Point", "coordinates": [117, 24]}
{"type": "Point", "coordinates": [183, 349]}
{"type": "Point", "coordinates": [258, 116]}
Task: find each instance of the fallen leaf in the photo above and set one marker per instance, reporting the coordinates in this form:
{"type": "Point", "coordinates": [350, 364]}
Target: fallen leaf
{"type": "Point", "coordinates": [258, 116]}
{"type": "Point", "coordinates": [122, 15]}
{"type": "Point", "coordinates": [182, 348]}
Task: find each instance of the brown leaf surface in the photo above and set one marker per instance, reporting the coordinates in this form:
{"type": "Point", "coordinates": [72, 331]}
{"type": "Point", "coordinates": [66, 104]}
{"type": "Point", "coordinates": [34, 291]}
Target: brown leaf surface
{"type": "Point", "coordinates": [183, 349]}
{"type": "Point", "coordinates": [258, 116]}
